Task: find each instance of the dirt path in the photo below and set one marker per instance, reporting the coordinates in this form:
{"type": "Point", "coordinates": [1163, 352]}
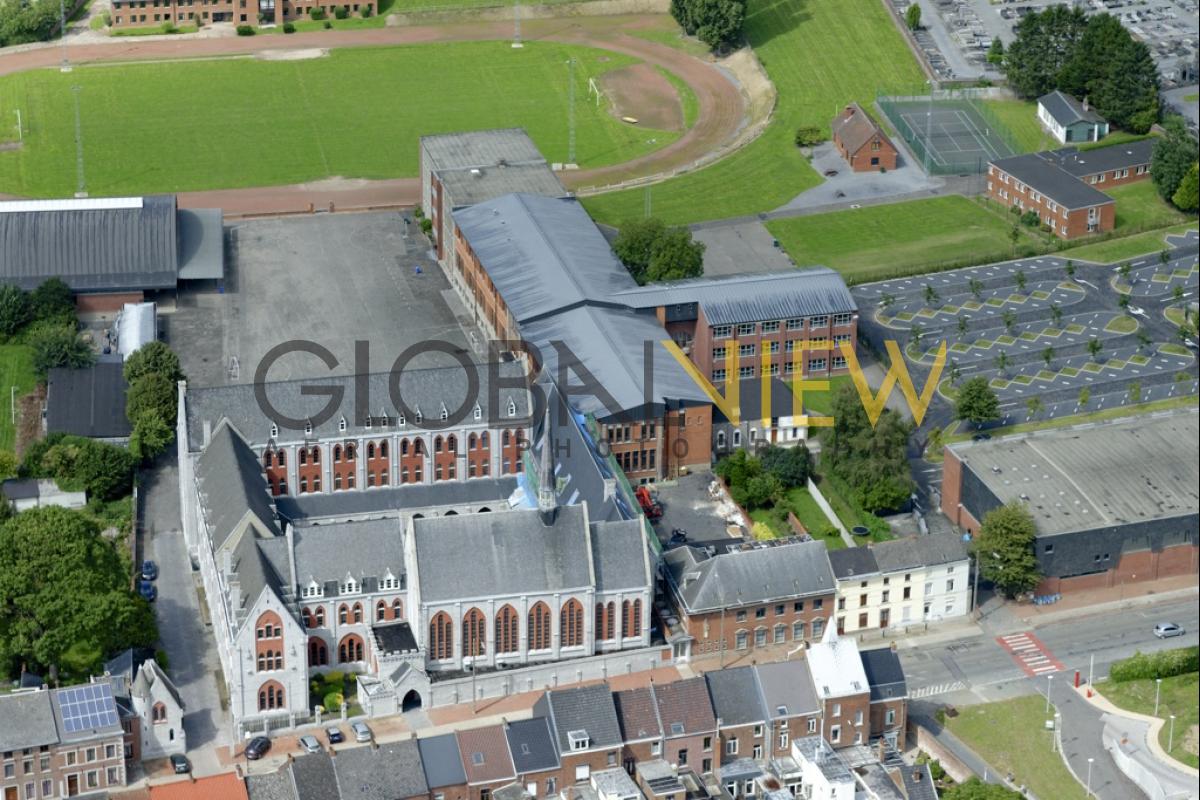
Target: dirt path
{"type": "Point", "coordinates": [721, 105]}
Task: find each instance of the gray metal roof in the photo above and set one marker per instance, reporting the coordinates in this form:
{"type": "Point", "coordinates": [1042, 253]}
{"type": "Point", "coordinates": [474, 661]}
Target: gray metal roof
{"type": "Point", "coordinates": [201, 244]}
{"type": "Point", "coordinates": [490, 492]}
{"type": "Point", "coordinates": [918, 782]}
{"type": "Point", "coordinates": [468, 187]}
{"type": "Point", "coordinates": [531, 745]}
{"type": "Point", "coordinates": [1066, 110]}
{"type": "Point", "coordinates": [1054, 182]}
{"type": "Point", "coordinates": [737, 697]}
{"type": "Point", "coordinates": [28, 720]}
{"type": "Point", "coordinates": [757, 575]}
{"type": "Point", "coordinates": [851, 562]}
{"type": "Point", "coordinates": [421, 390]}
{"type": "Point", "coordinates": [362, 548]}
{"type": "Point", "coordinates": [88, 402]}
{"type": "Point", "coordinates": [314, 776]}
{"type": "Point", "coordinates": [511, 553]}
{"type": "Point", "coordinates": [542, 254]}
{"type": "Point", "coordinates": [231, 483]}
{"type": "Point", "coordinates": [389, 771]}
{"type": "Point", "coordinates": [441, 761]}
{"type": "Point", "coordinates": [787, 688]}
{"type": "Point", "coordinates": [918, 551]}
{"type": "Point", "coordinates": [467, 149]}
{"type": "Point", "coordinates": [1101, 159]}
{"type": "Point", "coordinates": [22, 489]}
{"type": "Point", "coordinates": [750, 298]}
{"type": "Point", "coordinates": [98, 245]}
{"type": "Point", "coordinates": [884, 673]}
{"type": "Point", "coordinates": [619, 555]}
{"type": "Point", "coordinates": [585, 708]}
{"type": "Point", "coordinates": [271, 785]}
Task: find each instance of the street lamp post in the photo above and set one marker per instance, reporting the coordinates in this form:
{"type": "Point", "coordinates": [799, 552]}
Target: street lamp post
{"type": "Point", "coordinates": [1049, 683]}
{"type": "Point", "coordinates": [1157, 694]}
{"type": "Point", "coordinates": [1089, 778]}
{"type": "Point", "coordinates": [1171, 735]}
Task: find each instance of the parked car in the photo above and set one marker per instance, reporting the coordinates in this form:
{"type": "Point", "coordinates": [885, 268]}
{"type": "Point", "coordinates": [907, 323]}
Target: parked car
{"type": "Point", "coordinates": [149, 570]}
{"type": "Point", "coordinates": [1165, 630]}
{"type": "Point", "coordinates": [147, 590]}
{"type": "Point", "coordinates": [180, 764]}
{"type": "Point", "coordinates": [310, 744]}
{"type": "Point", "coordinates": [362, 733]}
{"type": "Point", "coordinates": [981, 437]}
{"type": "Point", "coordinates": [257, 747]}
{"type": "Point", "coordinates": [334, 734]}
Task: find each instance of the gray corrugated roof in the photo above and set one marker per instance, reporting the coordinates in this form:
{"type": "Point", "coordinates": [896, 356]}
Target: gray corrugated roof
{"type": "Point", "coordinates": [362, 548]}
{"type": "Point", "coordinates": [619, 555]}
{"type": "Point", "coordinates": [787, 688]}
{"type": "Point", "coordinates": [1055, 183]}
{"type": "Point", "coordinates": [760, 575]}
{"type": "Point", "coordinates": [752, 297]}
{"type": "Point", "coordinates": [28, 721]}
{"type": "Point", "coordinates": [231, 483]}
{"type": "Point", "coordinates": [441, 760]}
{"type": "Point", "coordinates": [423, 390]}
{"type": "Point", "coordinates": [737, 697]}
{"type": "Point", "coordinates": [919, 551]}
{"type": "Point", "coordinates": [389, 771]}
{"type": "Point", "coordinates": [585, 708]}
{"type": "Point", "coordinates": [851, 562]}
{"type": "Point", "coordinates": [1101, 159]}
{"type": "Point", "coordinates": [87, 402]}
{"type": "Point", "coordinates": [271, 786]}
{"type": "Point", "coordinates": [24, 489]}
{"type": "Point", "coordinates": [314, 776]}
{"type": "Point", "coordinates": [468, 187]}
{"type": "Point", "coordinates": [201, 244]}
{"type": "Point", "coordinates": [884, 673]}
{"type": "Point", "coordinates": [466, 149]}
{"type": "Point", "coordinates": [532, 745]}
{"type": "Point", "coordinates": [92, 247]}
{"type": "Point", "coordinates": [490, 492]}
{"type": "Point", "coordinates": [1066, 110]}
{"type": "Point", "coordinates": [542, 254]}
{"type": "Point", "coordinates": [511, 553]}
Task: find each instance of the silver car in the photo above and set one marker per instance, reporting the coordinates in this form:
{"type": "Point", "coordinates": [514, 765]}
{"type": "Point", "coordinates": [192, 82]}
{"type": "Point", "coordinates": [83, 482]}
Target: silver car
{"type": "Point", "coordinates": [310, 744]}
{"type": "Point", "coordinates": [1165, 630]}
{"type": "Point", "coordinates": [362, 733]}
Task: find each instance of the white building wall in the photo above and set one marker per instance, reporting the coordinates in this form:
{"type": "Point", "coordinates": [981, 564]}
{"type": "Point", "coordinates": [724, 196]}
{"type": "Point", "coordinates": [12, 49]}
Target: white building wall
{"type": "Point", "coordinates": [165, 738]}
{"type": "Point", "coordinates": [935, 594]}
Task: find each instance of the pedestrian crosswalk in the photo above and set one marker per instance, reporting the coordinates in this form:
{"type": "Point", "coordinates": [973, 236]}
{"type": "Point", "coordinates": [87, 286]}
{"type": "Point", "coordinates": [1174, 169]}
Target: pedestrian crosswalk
{"type": "Point", "coordinates": [1033, 657]}
{"type": "Point", "coordinates": [940, 688]}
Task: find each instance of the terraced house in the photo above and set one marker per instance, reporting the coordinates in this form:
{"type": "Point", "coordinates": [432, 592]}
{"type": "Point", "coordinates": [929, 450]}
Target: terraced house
{"type": "Point", "coordinates": [153, 13]}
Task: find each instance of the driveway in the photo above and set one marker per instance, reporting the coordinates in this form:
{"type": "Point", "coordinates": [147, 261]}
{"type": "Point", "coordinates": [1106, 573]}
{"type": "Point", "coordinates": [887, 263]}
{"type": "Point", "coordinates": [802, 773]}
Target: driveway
{"type": "Point", "coordinates": [848, 187]}
{"type": "Point", "coordinates": [191, 649]}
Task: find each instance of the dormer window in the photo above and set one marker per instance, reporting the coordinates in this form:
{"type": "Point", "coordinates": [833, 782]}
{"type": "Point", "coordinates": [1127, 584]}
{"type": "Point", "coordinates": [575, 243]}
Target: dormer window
{"type": "Point", "coordinates": [389, 581]}
{"type": "Point", "coordinates": [512, 407]}
{"type": "Point", "coordinates": [274, 430]}
{"type": "Point", "coordinates": [313, 589]}
{"type": "Point", "coordinates": [349, 586]}
{"type": "Point", "coordinates": [445, 413]}
{"type": "Point", "coordinates": [418, 416]}
{"type": "Point", "coordinates": [477, 413]}
{"type": "Point", "coordinates": [342, 424]}
{"type": "Point", "coordinates": [579, 740]}
{"type": "Point", "coordinates": [308, 428]}
{"type": "Point", "coordinates": [401, 421]}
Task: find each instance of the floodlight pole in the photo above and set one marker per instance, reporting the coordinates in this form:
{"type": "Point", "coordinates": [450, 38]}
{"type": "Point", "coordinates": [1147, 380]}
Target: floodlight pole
{"type": "Point", "coordinates": [517, 24]}
{"type": "Point", "coordinates": [62, 35]}
{"type": "Point", "coordinates": [571, 110]}
{"type": "Point", "coordinates": [928, 124]}
{"type": "Point", "coordinates": [80, 191]}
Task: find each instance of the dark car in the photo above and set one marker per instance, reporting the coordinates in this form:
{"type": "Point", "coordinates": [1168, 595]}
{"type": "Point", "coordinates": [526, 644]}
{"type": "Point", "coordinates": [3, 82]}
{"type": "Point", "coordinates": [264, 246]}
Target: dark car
{"type": "Point", "coordinates": [334, 734]}
{"type": "Point", "coordinates": [149, 571]}
{"type": "Point", "coordinates": [147, 590]}
{"type": "Point", "coordinates": [257, 747]}
{"type": "Point", "coordinates": [180, 764]}
{"type": "Point", "coordinates": [981, 437]}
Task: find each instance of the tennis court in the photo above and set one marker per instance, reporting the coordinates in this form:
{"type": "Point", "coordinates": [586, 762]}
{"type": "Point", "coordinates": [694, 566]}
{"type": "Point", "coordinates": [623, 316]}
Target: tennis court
{"type": "Point", "coordinates": [948, 136]}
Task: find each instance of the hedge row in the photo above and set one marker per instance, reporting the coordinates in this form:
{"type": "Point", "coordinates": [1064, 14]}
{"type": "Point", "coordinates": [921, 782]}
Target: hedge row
{"type": "Point", "coordinates": [1164, 664]}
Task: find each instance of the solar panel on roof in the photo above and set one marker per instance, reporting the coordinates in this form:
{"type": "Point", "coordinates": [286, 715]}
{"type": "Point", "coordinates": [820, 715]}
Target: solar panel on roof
{"type": "Point", "coordinates": [88, 707]}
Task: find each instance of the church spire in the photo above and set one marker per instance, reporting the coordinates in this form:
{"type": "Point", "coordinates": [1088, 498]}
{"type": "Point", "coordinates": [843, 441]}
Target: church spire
{"type": "Point", "coordinates": [547, 496]}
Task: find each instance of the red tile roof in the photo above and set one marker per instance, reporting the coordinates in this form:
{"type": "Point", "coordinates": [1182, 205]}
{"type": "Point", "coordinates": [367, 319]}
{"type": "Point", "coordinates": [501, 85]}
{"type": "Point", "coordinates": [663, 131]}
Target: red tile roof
{"type": "Point", "coordinates": [685, 703]}
{"type": "Point", "coordinates": [485, 755]}
{"type": "Point", "coordinates": [638, 714]}
{"type": "Point", "coordinates": [853, 127]}
{"type": "Point", "coordinates": [227, 786]}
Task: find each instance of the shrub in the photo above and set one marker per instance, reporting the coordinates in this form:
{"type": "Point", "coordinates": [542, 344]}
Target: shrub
{"type": "Point", "coordinates": [59, 346]}
{"type": "Point", "coordinates": [366, 12]}
{"type": "Point", "coordinates": [1164, 664]}
{"type": "Point", "coordinates": [317, 14]}
{"type": "Point", "coordinates": [809, 136]}
{"type": "Point", "coordinates": [245, 30]}
{"type": "Point", "coordinates": [341, 12]}
{"type": "Point", "coordinates": [154, 393]}
{"type": "Point", "coordinates": [169, 27]}
{"type": "Point", "coordinates": [333, 701]}
{"type": "Point", "coordinates": [289, 27]}
{"type": "Point", "coordinates": [53, 300]}
{"type": "Point", "coordinates": [328, 25]}
{"type": "Point", "coordinates": [153, 357]}
{"type": "Point", "coordinates": [15, 309]}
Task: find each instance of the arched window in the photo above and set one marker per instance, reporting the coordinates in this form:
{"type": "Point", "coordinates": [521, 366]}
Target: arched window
{"type": "Point", "coordinates": [349, 452]}
{"type": "Point", "coordinates": [471, 442]}
{"type": "Point", "coordinates": [350, 649]}
{"type": "Point", "coordinates": [508, 630]}
{"type": "Point", "coordinates": [720, 440]}
{"type": "Point", "coordinates": [571, 623]}
{"type": "Point", "coordinates": [483, 440]}
{"type": "Point", "coordinates": [316, 455]}
{"type": "Point", "coordinates": [270, 696]}
{"type": "Point", "coordinates": [307, 616]}
{"type": "Point", "coordinates": [539, 627]}
{"type": "Point", "coordinates": [358, 612]}
{"type": "Point", "coordinates": [404, 447]}
{"type": "Point", "coordinates": [337, 453]}
{"type": "Point", "coordinates": [318, 653]}
{"type": "Point", "coordinates": [380, 611]}
{"type": "Point", "coordinates": [397, 609]}
{"type": "Point", "coordinates": [419, 447]}
{"type": "Point", "coordinates": [268, 459]}
{"type": "Point", "coordinates": [319, 616]}
{"type": "Point", "coordinates": [370, 449]}
{"type": "Point", "coordinates": [441, 636]}
{"type": "Point", "coordinates": [506, 437]}
{"type": "Point", "coordinates": [158, 713]}
{"type": "Point", "coordinates": [626, 618]}
{"type": "Point", "coordinates": [383, 449]}
{"type": "Point", "coordinates": [452, 443]}
{"type": "Point", "coordinates": [437, 444]}
{"type": "Point", "coordinates": [343, 614]}
{"type": "Point", "coordinates": [302, 456]}
{"type": "Point", "coordinates": [636, 627]}
{"type": "Point", "coordinates": [474, 634]}
{"type": "Point", "coordinates": [606, 627]}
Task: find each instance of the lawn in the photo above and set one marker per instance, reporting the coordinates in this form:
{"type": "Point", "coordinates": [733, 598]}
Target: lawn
{"type": "Point", "coordinates": [1139, 207]}
{"type": "Point", "coordinates": [1178, 697]}
{"type": "Point", "coordinates": [879, 242]}
{"type": "Point", "coordinates": [820, 54]}
{"type": "Point", "coordinates": [229, 123]}
{"type": "Point", "coordinates": [1113, 250]}
{"type": "Point", "coordinates": [1011, 737]}
{"type": "Point", "coordinates": [800, 503]}
{"type": "Point", "coordinates": [1020, 117]}
{"type": "Point", "coordinates": [16, 370]}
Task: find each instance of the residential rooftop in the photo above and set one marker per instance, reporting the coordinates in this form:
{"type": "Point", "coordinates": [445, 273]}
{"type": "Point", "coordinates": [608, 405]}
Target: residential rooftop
{"type": "Point", "coordinates": [1052, 181]}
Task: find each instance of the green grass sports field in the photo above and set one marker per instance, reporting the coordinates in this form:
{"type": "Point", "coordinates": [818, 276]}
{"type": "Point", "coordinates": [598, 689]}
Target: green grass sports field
{"type": "Point", "coordinates": [229, 123]}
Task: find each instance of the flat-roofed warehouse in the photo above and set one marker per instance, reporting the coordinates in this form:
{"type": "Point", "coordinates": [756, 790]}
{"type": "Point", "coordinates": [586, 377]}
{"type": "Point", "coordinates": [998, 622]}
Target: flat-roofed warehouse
{"type": "Point", "coordinates": [1114, 503]}
{"type": "Point", "coordinates": [109, 250]}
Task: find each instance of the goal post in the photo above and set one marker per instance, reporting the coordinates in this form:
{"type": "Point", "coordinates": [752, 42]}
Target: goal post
{"type": "Point", "coordinates": [594, 88]}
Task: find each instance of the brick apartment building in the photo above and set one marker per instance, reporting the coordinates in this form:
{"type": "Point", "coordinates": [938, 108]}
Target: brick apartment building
{"type": "Point", "coordinates": [1111, 532]}
{"type": "Point", "coordinates": [153, 13]}
{"type": "Point", "coordinates": [862, 142]}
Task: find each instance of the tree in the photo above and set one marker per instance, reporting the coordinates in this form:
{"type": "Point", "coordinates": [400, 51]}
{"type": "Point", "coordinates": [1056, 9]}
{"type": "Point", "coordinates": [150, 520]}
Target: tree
{"type": "Point", "coordinates": [635, 244]}
{"type": "Point", "coordinates": [1094, 347]}
{"type": "Point", "coordinates": [53, 300]}
{"type": "Point", "coordinates": [1187, 196]}
{"type": "Point", "coordinates": [737, 468]}
{"type": "Point", "coordinates": [717, 23]}
{"type": "Point", "coordinates": [1004, 549]}
{"type": "Point", "coordinates": [1021, 280]}
{"type": "Point", "coordinates": [1070, 268]}
{"type": "Point", "coordinates": [1144, 339]}
{"type": "Point", "coordinates": [1177, 294]}
{"type": "Point", "coordinates": [887, 300]}
{"type": "Point", "coordinates": [976, 287]}
{"type": "Point", "coordinates": [809, 136]}
{"type": "Point", "coordinates": [59, 346]}
{"type": "Point", "coordinates": [150, 437]}
{"type": "Point", "coordinates": [153, 357]}
{"type": "Point", "coordinates": [1115, 72]}
{"type": "Point", "coordinates": [762, 490]}
{"type": "Point", "coordinates": [1123, 302]}
{"type": "Point", "coordinates": [64, 594]}
{"type": "Point", "coordinates": [912, 17]}
{"type": "Point", "coordinates": [15, 309]}
{"type": "Point", "coordinates": [931, 294]}
{"type": "Point", "coordinates": [1173, 155]}
{"type": "Point", "coordinates": [9, 464]}
{"type": "Point", "coordinates": [791, 465]}
{"type": "Point", "coordinates": [1135, 392]}
{"type": "Point", "coordinates": [1009, 319]}
{"type": "Point", "coordinates": [1002, 362]}
{"type": "Point", "coordinates": [975, 789]}
{"type": "Point", "coordinates": [104, 471]}
{"type": "Point", "coordinates": [1085, 396]}
{"type": "Point", "coordinates": [995, 53]}
{"type": "Point", "coordinates": [1034, 406]}
{"type": "Point", "coordinates": [1056, 314]}
{"type": "Point", "coordinates": [1048, 356]}
{"type": "Point", "coordinates": [914, 335]}
{"type": "Point", "coordinates": [1124, 271]}
{"type": "Point", "coordinates": [871, 459]}
{"type": "Point", "coordinates": [976, 402]}
{"type": "Point", "coordinates": [1044, 45]}
{"type": "Point", "coordinates": [1015, 236]}
{"type": "Point", "coordinates": [152, 394]}
{"type": "Point", "coordinates": [963, 326]}
{"type": "Point", "coordinates": [955, 372]}
{"type": "Point", "coordinates": [675, 256]}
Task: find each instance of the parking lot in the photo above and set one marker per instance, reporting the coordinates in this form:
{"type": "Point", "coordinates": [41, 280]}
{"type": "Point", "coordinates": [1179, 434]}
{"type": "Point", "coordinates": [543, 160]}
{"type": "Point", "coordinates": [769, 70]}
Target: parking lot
{"type": "Point", "coordinates": [345, 277]}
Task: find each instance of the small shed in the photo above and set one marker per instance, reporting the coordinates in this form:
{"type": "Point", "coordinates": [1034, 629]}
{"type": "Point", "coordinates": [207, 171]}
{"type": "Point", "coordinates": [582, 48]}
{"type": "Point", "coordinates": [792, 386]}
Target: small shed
{"type": "Point", "coordinates": [137, 324]}
{"type": "Point", "coordinates": [39, 493]}
{"type": "Point", "coordinates": [88, 402]}
{"type": "Point", "coordinates": [1070, 120]}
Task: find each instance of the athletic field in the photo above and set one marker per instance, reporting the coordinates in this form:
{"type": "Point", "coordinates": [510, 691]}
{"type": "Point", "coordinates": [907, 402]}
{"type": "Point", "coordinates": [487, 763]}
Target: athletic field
{"type": "Point", "coordinates": [948, 136]}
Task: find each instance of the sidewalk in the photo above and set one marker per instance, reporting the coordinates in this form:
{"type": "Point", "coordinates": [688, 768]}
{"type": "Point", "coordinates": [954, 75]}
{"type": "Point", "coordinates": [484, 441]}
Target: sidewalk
{"type": "Point", "coordinates": [1096, 601]}
{"type": "Point", "coordinates": [1081, 736]}
{"type": "Point", "coordinates": [1150, 727]}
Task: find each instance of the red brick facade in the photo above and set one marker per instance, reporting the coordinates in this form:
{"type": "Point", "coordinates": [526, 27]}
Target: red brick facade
{"type": "Point", "coordinates": [153, 13]}
{"type": "Point", "coordinates": [749, 627]}
{"type": "Point", "coordinates": [1136, 567]}
{"type": "Point", "coordinates": [1066, 223]}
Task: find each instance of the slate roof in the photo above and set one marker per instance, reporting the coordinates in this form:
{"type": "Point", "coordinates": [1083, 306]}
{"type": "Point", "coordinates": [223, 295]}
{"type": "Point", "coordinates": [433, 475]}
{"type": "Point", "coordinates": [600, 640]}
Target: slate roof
{"type": "Point", "coordinates": [88, 402]}
{"type": "Point", "coordinates": [314, 776]}
{"type": "Point", "coordinates": [736, 695]}
{"type": "Point", "coordinates": [1101, 159]}
{"type": "Point", "coordinates": [231, 484]}
{"type": "Point", "coordinates": [745, 577]}
{"type": "Point", "coordinates": [586, 708]}
{"type": "Point", "coordinates": [919, 551]}
{"type": "Point", "coordinates": [1054, 182]}
{"type": "Point", "coordinates": [1066, 110]}
{"type": "Point", "coordinates": [389, 771]}
{"type": "Point", "coordinates": [619, 557]}
{"type": "Point", "coordinates": [637, 713]}
{"type": "Point", "coordinates": [531, 745]}
{"type": "Point", "coordinates": [424, 390]}
{"type": "Point", "coordinates": [149, 674]}
{"type": "Point", "coordinates": [271, 785]}
{"type": "Point", "coordinates": [94, 244]}
{"type": "Point", "coordinates": [395, 637]}
{"type": "Point", "coordinates": [490, 492]}
{"type": "Point", "coordinates": [852, 562]}
{"type": "Point", "coordinates": [918, 782]}
{"type": "Point", "coordinates": [787, 688]}
{"type": "Point", "coordinates": [28, 720]}
{"type": "Point", "coordinates": [485, 754]}
{"type": "Point", "coordinates": [364, 548]}
{"type": "Point", "coordinates": [884, 673]}
{"type": "Point", "coordinates": [684, 707]}
{"type": "Point", "coordinates": [511, 553]}
{"type": "Point", "coordinates": [853, 127]}
{"type": "Point", "coordinates": [441, 761]}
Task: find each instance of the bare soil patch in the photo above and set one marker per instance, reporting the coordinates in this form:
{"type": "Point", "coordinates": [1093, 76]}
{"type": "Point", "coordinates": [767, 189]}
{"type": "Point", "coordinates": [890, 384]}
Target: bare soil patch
{"type": "Point", "coordinates": [642, 92]}
{"type": "Point", "coordinates": [303, 54]}
{"type": "Point", "coordinates": [29, 419]}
